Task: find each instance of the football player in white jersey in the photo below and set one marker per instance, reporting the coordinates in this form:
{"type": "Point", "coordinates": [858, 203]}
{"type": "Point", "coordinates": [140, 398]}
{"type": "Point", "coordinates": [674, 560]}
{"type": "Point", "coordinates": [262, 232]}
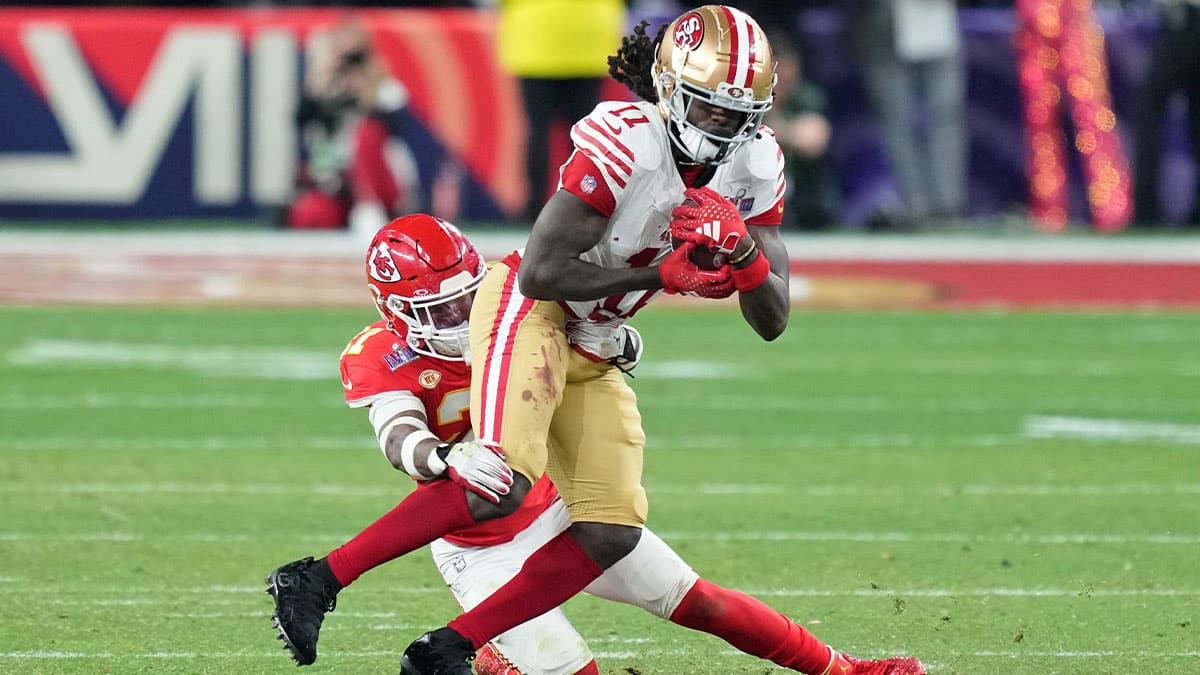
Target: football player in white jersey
{"type": "Point", "coordinates": [547, 320]}
{"type": "Point", "coordinates": [410, 371]}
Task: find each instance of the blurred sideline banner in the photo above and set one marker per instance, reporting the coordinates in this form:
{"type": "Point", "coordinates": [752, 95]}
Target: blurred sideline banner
{"type": "Point", "coordinates": [177, 113]}
{"type": "Point", "coordinates": [137, 113]}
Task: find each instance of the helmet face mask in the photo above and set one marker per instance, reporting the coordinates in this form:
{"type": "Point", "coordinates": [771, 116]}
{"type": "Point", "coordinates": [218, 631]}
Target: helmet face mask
{"type": "Point", "coordinates": [718, 56]}
{"type": "Point", "coordinates": [437, 325]}
{"type": "Point", "coordinates": [423, 272]}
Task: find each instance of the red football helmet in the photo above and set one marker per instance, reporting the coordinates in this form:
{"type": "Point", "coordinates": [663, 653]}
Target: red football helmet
{"type": "Point", "coordinates": [423, 271]}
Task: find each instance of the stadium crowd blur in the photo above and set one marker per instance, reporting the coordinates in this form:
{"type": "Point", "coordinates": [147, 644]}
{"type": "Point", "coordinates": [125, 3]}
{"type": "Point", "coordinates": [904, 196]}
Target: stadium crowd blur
{"type": "Point", "coordinates": [911, 69]}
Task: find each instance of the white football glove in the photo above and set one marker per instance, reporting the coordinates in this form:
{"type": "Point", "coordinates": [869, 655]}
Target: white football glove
{"type": "Point", "coordinates": [631, 349]}
{"type": "Point", "coordinates": [620, 344]}
{"type": "Point", "coordinates": [475, 465]}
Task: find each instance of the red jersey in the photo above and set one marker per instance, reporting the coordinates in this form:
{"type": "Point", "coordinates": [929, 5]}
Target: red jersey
{"type": "Point", "coordinates": [378, 363]}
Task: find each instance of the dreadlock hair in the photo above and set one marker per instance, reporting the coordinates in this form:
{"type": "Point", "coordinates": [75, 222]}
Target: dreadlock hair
{"type": "Point", "coordinates": [631, 64]}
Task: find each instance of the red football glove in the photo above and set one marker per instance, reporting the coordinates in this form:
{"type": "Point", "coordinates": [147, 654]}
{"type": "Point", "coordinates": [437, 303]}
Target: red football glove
{"type": "Point", "coordinates": [680, 275]}
{"type": "Point", "coordinates": [714, 222]}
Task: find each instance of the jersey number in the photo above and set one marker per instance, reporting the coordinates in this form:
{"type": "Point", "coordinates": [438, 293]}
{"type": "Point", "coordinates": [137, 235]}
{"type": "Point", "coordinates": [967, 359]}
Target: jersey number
{"type": "Point", "coordinates": [454, 405]}
{"type": "Point", "coordinates": [356, 345]}
{"type": "Point", "coordinates": [631, 115]}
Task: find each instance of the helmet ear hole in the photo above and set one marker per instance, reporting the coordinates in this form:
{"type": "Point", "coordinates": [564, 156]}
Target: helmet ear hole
{"type": "Point", "coordinates": [396, 305]}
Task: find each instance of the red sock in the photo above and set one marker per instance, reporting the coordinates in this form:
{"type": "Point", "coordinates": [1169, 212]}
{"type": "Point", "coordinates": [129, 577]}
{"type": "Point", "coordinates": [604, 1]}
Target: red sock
{"type": "Point", "coordinates": [550, 576]}
{"type": "Point", "coordinates": [431, 511]}
{"type": "Point", "coordinates": [590, 669]}
{"type": "Point", "coordinates": [753, 627]}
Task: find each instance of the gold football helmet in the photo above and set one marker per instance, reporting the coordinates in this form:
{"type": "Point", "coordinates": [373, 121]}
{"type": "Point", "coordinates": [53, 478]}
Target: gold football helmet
{"type": "Point", "coordinates": [718, 55]}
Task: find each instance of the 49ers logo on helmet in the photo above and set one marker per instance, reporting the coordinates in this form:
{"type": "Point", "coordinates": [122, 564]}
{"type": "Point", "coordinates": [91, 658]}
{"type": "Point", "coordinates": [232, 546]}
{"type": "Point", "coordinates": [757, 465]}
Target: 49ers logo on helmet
{"type": "Point", "coordinates": [689, 32]}
{"type": "Point", "coordinates": [381, 266]}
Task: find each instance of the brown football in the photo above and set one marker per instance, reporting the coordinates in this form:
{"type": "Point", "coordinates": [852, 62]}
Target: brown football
{"type": "Point", "coordinates": [702, 257]}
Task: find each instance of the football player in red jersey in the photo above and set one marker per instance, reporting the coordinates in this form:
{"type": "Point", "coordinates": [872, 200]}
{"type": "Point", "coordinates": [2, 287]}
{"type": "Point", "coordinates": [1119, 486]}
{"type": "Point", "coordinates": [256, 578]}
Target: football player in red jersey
{"type": "Point", "coordinates": [546, 319]}
{"type": "Point", "coordinates": [411, 371]}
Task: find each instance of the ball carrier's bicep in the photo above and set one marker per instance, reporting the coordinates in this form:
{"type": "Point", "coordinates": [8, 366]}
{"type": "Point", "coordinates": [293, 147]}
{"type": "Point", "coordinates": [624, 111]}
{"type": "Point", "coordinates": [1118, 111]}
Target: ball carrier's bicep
{"type": "Point", "coordinates": [551, 268]}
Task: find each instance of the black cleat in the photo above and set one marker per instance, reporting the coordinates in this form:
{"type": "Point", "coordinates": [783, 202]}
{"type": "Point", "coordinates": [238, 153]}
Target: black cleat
{"type": "Point", "coordinates": [440, 652]}
{"type": "Point", "coordinates": [302, 597]}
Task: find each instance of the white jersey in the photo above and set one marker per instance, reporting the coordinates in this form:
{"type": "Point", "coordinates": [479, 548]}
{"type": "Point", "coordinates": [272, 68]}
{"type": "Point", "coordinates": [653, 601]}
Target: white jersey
{"type": "Point", "coordinates": [628, 145]}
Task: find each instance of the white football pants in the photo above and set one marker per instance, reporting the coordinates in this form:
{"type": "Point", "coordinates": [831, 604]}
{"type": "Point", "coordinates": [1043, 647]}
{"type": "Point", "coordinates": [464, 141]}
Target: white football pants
{"type": "Point", "coordinates": [652, 577]}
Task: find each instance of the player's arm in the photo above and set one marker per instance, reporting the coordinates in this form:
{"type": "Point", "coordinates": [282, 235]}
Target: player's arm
{"type": "Point", "coordinates": [405, 439]}
{"type": "Point", "coordinates": [757, 256]}
{"type": "Point", "coordinates": [766, 306]}
{"type": "Point", "coordinates": [404, 435]}
{"type": "Point", "coordinates": [551, 268]}
{"type": "Point", "coordinates": [567, 227]}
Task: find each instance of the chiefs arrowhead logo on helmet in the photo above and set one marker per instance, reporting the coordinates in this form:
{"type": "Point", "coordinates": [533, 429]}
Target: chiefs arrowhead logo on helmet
{"type": "Point", "coordinates": [381, 266]}
{"type": "Point", "coordinates": [689, 31]}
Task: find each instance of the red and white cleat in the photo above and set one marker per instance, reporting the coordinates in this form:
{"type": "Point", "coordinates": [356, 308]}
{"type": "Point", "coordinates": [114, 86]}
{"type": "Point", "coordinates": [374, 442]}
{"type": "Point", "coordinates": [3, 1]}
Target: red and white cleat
{"type": "Point", "coordinates": [489, 661]}
{"type": "Point", "coordinates": [897, 665]}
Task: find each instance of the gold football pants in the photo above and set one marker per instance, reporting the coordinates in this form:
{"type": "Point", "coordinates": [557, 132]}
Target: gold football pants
{"type": "Point", "coordinates": [551, 409]}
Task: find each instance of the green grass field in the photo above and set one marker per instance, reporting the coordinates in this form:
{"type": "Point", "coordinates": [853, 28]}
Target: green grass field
{"type": "Point", "coordinates": [993, 492]}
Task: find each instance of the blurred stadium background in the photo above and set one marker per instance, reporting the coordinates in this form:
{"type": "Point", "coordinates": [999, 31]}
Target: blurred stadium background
{"type": "Point", "coordinates": [978, 441]}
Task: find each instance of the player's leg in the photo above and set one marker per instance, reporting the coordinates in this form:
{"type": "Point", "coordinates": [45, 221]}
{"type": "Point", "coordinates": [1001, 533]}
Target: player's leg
{"type": "Point", "coordinates": [656, 579]}
{"type": "Point", "coordinates": [305, 590]}
{"type": "Point", "coordinates": [511, 337]}
{"type": "Point", "coordinates": [597, 466]}
{"type": "Point", "coordinates": [546, 645]}
{"type": "Point", "coordinates": [597, 463]}
{"type": "Point", "coordinates": [519, 367]}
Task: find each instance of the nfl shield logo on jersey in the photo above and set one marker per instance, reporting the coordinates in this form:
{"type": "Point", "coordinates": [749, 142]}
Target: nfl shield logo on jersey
{"type": "Point", "coordinates": [588, 184]}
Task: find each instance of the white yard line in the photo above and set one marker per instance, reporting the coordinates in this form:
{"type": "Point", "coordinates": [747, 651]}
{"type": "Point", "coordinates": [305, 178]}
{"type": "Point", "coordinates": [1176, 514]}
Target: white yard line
{"type": "Point", "coordinates": [936, 538]}
{"type": "Point", "coordinates": [717, 441]}
{"type": "Point", "coordinates": [696, 443]}
{"type": "Point", "coordinates": [275, 363]}
{"type": "Point", "coordinates": [623, 654]}
{"type": "Point", "coordinates": [1070, 654]}
{"type": "Point", "coordinates": [1099, 429]}
{"type": "Point", "coordinates": [692, 370]}
{"type": "Point", "coordinates": [225, 595]}
{"type": "Point", "coordinates": [156, 401]}
{"type": "Point", "coordinates": [982, 490]}
{"type": "Point", "coordinates": [216, 443]}
{"type": "Point", "coordinates": [977, 593]}
{"type": "Point", "coordinates": [1066, 539]}
{"type": "Point", "coordinates": [931, 405]}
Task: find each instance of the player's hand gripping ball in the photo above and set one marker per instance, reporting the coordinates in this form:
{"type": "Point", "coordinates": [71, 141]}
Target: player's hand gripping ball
{"type": "Point", "coordinates": [701, 256]}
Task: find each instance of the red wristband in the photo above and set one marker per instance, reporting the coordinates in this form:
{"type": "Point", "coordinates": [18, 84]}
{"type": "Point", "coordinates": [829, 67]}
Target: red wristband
{"type": "Point", "coordinates": [753, 275]}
